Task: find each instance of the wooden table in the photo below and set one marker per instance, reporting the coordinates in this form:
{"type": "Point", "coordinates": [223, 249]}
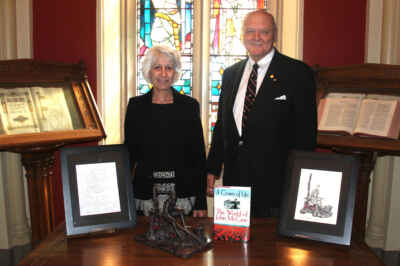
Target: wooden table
{"type": "Point", "coordinates": [266, 247]}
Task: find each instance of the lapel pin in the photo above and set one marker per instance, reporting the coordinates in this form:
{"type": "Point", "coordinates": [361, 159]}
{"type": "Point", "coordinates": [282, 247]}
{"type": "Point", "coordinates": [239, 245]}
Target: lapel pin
{"type": "Point", "coordinates": [272, 76]}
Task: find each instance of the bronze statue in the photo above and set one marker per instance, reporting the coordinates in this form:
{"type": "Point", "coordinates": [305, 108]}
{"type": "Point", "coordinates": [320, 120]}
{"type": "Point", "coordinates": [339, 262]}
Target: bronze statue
{"type": "Point", "coordinates": [168, 231]}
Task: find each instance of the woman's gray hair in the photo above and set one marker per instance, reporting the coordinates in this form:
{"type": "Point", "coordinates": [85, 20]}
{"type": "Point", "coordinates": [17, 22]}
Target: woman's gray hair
{"type": "Point", "coordinates": [150, 59]}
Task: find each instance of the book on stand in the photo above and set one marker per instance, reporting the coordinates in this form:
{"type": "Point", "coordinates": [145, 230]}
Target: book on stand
{"type": "Point", "coordinates": [360, 116]}
{"type": "Point", "coordinates": [232, 213]}
{"type": "Point", "coordinates": [33, 109]}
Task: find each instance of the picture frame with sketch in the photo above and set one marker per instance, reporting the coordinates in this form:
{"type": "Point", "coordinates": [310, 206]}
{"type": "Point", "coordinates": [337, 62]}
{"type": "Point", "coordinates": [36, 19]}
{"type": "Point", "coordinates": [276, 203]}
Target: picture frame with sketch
{"type": "Point", "coordinates": [319, 196]}
{"type": "Point", "coordinates": [97, 188]}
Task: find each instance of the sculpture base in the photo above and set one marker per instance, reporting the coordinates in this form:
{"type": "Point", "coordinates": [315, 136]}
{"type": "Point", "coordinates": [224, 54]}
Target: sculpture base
{"type": "Point", "coordinates": [168, 231]}
{"type": "Point", "coordinates": [177, 248]}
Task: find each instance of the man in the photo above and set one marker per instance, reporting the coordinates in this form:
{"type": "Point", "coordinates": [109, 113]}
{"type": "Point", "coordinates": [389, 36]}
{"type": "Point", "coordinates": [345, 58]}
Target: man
{"type": "Point", "coordinates": [252, 138]}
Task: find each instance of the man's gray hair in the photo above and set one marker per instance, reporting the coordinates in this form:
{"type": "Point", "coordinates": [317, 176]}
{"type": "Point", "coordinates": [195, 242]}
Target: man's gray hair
{"type": "Point", "coordinates": [265, 12]}
{"type": "Point", "coordinates": [150, 59]}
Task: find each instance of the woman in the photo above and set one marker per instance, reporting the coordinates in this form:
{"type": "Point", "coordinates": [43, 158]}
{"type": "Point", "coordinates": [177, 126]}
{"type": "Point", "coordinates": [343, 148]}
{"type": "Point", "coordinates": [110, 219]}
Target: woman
{"type": "Point", "coordinates": [164, 136]}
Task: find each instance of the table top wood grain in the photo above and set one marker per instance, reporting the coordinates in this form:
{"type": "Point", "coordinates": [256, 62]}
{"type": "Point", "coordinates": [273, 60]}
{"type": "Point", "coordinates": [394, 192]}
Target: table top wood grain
{"type": "Point", "coordinates": [265, 247]}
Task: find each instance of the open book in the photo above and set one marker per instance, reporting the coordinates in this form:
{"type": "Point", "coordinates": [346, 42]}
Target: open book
{"type": "Point", "coordinates": [360, 116]}
{"type": "Point", "coordinates": [33, 109]}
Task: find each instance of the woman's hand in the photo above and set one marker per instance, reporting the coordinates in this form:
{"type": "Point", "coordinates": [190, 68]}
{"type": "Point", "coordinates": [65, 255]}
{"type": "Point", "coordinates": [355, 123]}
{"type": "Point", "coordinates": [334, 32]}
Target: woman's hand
{"type": "Point", "coordinates": [200, 213]}
{"type": "Point", "coordinates": [210, 184]}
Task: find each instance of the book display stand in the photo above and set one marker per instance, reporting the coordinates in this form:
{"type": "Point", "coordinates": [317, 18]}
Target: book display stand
{"type": "Point", "coordinates": [377, 79]}
{"type": "Point", "coordinates": [43, 107]}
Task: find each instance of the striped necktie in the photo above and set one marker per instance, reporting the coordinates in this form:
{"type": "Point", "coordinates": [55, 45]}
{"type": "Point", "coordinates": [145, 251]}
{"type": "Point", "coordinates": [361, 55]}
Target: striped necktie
{"type": "Point", "coordinates": [250, 95]}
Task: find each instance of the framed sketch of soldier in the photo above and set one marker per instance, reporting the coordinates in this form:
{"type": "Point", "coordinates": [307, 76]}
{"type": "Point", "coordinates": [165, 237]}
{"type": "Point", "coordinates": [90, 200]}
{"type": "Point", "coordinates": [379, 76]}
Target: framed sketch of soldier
{"type": "Point", "coordinates": [97, 187]}
{"type": "Point", "coordinates": [319, 196]}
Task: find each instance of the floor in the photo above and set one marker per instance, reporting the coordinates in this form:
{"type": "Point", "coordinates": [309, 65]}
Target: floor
{"type": "Point", "coordinates": [11, 257]}
{"type": "Point", "coordinates": [390, 258]}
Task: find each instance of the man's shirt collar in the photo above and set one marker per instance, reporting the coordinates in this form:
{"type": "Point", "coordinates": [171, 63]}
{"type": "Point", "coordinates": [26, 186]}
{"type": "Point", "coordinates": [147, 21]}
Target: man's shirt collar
{"type": "Point", "coordinates": [266, 60]}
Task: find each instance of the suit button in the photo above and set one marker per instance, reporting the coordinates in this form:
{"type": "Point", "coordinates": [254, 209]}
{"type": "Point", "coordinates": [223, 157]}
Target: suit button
{"type": "Point", "coordinates": [240, 143]}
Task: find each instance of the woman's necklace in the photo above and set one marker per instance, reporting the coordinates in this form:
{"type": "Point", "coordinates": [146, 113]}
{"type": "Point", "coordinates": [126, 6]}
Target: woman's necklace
{"type": "Point", "coordinates": [163, 100]}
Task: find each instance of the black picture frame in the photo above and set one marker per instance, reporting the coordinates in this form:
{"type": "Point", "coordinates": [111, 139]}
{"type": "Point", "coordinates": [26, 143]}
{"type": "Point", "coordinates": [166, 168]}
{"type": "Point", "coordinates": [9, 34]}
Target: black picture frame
{"type": "Point", "coordinates": [90, 205]}
{"type": "Point", "coordinates": [304, 212]}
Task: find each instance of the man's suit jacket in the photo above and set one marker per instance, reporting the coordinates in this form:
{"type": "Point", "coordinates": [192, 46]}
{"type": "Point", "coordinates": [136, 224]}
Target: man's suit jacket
{"type": "Point", "coordinates": [282, 118]}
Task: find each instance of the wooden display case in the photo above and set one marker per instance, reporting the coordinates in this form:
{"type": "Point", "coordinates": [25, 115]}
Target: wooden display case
{"type": "Point", "coordinates": [44, 106]}
{"type": "Point", "coordinates": [53, 94]}
{"type": "Point", "coordinates": [367, 79]}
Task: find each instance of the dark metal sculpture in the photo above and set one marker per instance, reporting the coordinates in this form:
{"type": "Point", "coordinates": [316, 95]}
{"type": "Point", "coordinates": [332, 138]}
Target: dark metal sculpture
{"type": "Point", "coordinates": [168, 231]}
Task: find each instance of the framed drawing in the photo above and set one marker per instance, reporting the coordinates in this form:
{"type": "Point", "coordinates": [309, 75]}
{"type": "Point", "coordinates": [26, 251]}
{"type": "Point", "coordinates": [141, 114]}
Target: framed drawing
{"type": "Point", "coordinates": [319, 196]}
{"type": "Point", "coordinates": [97, 187]}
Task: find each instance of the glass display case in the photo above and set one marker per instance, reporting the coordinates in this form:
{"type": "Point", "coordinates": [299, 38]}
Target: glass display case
{"type": "Point", "coordinates": [45, 104]}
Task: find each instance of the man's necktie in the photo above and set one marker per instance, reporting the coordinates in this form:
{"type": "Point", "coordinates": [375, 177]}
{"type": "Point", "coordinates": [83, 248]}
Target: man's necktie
{"type": "Point", "coordinates": [250, 95]}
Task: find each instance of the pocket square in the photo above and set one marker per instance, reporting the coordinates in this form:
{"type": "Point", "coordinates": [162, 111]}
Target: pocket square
{"type": "Point", "coordinates": [281, 98]}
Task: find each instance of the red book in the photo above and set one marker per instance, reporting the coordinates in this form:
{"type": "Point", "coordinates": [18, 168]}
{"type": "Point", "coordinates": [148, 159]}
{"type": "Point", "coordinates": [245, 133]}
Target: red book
{"type": "Point", "coordinates": [232, 213]}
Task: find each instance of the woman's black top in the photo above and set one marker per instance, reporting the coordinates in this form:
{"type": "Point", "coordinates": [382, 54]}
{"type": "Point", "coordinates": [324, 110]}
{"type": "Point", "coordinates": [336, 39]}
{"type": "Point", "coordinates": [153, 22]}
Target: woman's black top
{"type": "Point", "coordinates": [166, 140]}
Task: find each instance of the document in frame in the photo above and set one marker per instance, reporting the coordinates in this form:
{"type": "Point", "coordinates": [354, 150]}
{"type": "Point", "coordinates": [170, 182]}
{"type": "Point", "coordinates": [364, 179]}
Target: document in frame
{"type": "Point", "coordinates": [17, 111]}
{"type": "Point", "coordinates": [97, 188]}
{"type": "Point", "coordinates": [52, 108]}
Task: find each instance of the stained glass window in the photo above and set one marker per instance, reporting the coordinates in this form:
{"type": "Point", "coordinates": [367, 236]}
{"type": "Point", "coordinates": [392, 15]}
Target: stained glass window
{"type": "Point", "coordinates": [170, 23]}
{"type": "Point", "coordinates": [226, 46]}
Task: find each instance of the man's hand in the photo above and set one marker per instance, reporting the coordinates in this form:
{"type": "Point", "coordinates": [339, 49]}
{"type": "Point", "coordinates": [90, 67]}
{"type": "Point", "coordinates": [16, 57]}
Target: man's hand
{"type": "Point", "coordinates": [210, 184]}
{"type": "Point", "coordinates": [200, 213]}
